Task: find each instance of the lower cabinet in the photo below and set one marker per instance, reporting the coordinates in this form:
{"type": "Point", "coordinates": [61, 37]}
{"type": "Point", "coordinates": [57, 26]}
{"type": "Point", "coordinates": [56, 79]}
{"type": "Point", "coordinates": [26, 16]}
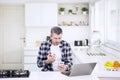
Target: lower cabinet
{"type": "Point", "coordinates": [31, 67]}
{"type": "Point", "coordinates": [30, 59]}
{"type": "Point", "coordinates": [31, 54]}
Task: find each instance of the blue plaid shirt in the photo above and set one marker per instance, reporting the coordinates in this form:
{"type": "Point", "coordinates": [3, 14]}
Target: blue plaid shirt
{"type": "Point", "coordinates": [44, 50]}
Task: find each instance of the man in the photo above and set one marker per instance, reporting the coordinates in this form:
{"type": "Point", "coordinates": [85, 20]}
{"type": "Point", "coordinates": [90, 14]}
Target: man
{"type": "Point", "coordinates": [55, 54]}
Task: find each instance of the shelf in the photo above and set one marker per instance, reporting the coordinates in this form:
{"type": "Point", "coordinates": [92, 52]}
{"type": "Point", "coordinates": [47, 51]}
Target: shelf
{"type": "Point", "coordinates": [73, 15]}
{"type": "Point", "coordinates": [76, 18]}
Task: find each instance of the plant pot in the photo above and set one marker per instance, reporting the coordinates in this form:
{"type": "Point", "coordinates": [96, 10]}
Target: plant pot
{"type": "Point", "coordinates": [84, 12]}
{"type": "Point", "coordinates": [62, 13]}
{"type": "Point", "coordinates": [70, 13]}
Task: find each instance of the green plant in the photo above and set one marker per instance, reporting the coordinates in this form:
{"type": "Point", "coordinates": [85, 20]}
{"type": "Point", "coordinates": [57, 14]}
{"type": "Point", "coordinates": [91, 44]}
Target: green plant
{"type": "Point", "coordinates": [62, 9]}
{"type": "Point", "coordinates": [70, 10]}
{"type": "Point", "coordinates": [84, 9]}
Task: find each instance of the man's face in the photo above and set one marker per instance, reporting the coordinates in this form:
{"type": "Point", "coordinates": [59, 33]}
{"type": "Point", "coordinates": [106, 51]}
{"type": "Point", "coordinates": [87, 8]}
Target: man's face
{"type": "Point", "coordinates": [56, 38]}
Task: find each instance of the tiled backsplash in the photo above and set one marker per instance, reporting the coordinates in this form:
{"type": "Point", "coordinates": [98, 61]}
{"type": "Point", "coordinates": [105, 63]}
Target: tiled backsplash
{"type": "Point", "coordinates": [70, 34]}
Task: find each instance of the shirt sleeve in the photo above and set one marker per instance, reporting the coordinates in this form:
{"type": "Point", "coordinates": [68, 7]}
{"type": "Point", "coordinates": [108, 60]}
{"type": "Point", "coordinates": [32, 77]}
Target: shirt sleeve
{"type": "Point", "coordinates": [68, 60]}
{"type": "Point", "coordinates": [42, 55]}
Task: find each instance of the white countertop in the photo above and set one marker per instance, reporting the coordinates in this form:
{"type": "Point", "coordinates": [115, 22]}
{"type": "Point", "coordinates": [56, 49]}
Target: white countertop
{"type": "Point", "coordinates": [53, 76]}
{"type": "Point", "coordinates": [100, 72]}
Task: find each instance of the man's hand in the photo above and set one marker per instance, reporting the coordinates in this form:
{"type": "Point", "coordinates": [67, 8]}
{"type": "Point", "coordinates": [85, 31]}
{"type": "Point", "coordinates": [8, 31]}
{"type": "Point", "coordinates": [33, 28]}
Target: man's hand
{"type": "Point", "coordinates": [50, 58]}
{"type": "Point", "coordinates": [62, 68]}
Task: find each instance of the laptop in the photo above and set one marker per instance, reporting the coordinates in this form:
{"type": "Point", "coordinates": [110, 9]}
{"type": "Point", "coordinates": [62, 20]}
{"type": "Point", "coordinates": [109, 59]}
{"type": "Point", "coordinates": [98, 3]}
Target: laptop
{"type": "Point", "coordinates": [80, 69]}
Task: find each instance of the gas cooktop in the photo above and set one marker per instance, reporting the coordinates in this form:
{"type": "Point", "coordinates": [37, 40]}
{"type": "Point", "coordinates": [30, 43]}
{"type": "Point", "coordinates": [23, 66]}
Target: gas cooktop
{"type": "Point", "coordinates": [14, 73]}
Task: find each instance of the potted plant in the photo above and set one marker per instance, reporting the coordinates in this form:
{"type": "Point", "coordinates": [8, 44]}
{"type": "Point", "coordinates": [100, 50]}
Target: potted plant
{"type": "Point", "coordinates": [62, 10]}
{"type": "Point", "coordinates": [70, 11]}
{"type": "Point", "coordinates": [84, 10]}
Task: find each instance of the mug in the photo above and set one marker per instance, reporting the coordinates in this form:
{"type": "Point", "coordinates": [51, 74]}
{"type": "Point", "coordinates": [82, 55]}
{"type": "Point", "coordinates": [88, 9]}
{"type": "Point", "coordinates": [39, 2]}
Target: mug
{"type": "Point", "coordinates": [78, 43]}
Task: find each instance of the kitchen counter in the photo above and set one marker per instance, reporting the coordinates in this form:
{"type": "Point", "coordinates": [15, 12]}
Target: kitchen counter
{"type": "Point", "coordinates": [95, 56]}
{"type": "Point", "coordinates": [101, 72]}
{"type": "Point", "coordinates": [53, 76]}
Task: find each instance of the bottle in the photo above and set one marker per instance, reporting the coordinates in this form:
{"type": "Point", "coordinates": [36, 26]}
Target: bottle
{"type": "Point", "coordinates": [86, 42]}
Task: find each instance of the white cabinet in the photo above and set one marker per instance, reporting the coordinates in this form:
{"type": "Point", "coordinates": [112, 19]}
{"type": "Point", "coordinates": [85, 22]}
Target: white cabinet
{"type": "Point", "coordinates": [11, 36]}
{"type": "Point", "coordinates": [31, 54]}
{"type": "Point", "coordinates": [1, 43]}
{"type": "Point", "coordinates": [30, 59]}
{"type": "Point", "coordinates": [40, 14]}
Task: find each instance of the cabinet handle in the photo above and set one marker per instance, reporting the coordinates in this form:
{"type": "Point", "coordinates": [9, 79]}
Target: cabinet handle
{"type": "Point", "coordinates": [24, 39]}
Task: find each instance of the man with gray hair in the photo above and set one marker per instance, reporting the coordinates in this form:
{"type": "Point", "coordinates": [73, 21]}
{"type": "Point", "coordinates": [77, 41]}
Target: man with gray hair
{"type": "Point", "coordinates": [55, 53]}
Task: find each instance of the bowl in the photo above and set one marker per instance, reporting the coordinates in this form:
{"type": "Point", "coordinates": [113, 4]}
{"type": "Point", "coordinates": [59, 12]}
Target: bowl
{"type": "Point", "coordinates": [112, 69]}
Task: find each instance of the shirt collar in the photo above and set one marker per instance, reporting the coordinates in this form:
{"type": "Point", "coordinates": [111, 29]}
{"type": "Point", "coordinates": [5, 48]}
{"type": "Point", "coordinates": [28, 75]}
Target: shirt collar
{"type": "Point", "coordinates": [60, 45]}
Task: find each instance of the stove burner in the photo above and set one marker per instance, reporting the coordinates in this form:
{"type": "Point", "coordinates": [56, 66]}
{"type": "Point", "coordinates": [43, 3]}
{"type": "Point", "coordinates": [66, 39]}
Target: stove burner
{"type": "Point", "coordinates": [14, 73]}
{"type": "Point", "coordinates": [4, 73]}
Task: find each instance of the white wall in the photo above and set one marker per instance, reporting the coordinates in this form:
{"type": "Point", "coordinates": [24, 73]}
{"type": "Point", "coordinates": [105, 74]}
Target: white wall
{"type": "Point", "coordinates": [70, 34]}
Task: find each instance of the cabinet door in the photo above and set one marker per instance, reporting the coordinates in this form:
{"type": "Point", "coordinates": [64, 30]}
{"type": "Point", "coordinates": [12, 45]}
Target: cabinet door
{"type": "Point", "coordinates": [40, 14]}
{"type": "Point", "coordinates": [30, 59]}
{"type": "Point", "coordinates": [33, 14]}
{"type": "Point", "coordinates": [49, 14]}
{"type": "Point", "coordinates": [11, 49]}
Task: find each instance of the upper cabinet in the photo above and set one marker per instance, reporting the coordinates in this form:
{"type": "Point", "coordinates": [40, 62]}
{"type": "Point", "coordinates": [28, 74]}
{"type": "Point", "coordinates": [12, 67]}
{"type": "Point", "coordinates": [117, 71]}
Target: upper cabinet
{"type": "Point", "coordinates": [52, 14]}
{"type": "Point", "coordinates": [40, 14]}
{"type": "Point", "coordinates": [73, 14]}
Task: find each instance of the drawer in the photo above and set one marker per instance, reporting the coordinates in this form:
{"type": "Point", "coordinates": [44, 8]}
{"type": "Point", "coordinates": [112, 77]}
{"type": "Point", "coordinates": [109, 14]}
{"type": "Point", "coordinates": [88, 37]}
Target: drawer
{"type": "Point", "coordinates": [31, 52]}
{"type": "Point", "coordinates": [30, 59]}
{"type": "Point", "coordinates": [31, 67]}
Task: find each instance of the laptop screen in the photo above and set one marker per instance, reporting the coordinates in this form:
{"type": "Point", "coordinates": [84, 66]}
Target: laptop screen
{"type": "Point", "coordinates": [81, 69]}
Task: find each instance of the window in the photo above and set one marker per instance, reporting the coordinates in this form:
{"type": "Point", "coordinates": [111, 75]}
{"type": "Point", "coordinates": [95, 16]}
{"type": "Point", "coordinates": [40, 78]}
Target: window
{"type": "Point", "coordinates": [112, 30]}
{"type": "Point", "coordinates": [112, 24]}
{"type": "Point", "coordinates": [107, 21]}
